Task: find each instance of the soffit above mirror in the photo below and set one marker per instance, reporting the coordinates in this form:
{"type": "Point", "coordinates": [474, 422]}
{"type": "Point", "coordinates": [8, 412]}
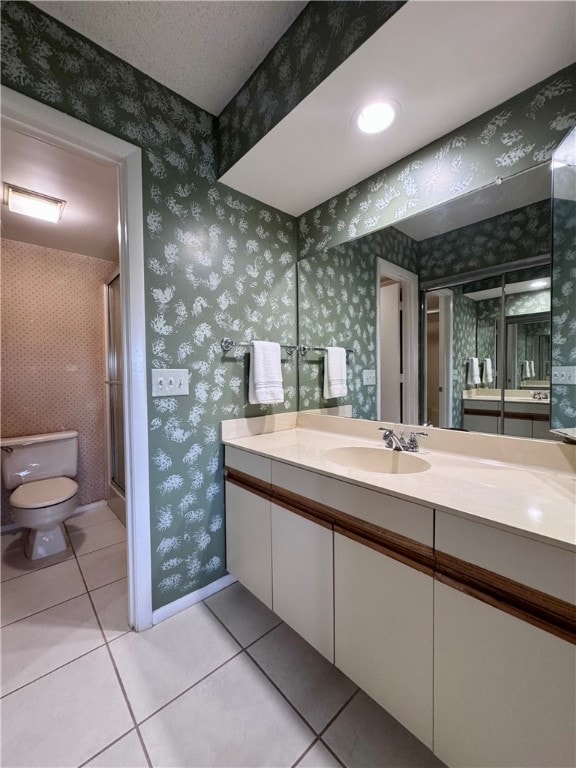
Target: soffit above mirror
{"type": "Point", "coordinates": [431, 59]}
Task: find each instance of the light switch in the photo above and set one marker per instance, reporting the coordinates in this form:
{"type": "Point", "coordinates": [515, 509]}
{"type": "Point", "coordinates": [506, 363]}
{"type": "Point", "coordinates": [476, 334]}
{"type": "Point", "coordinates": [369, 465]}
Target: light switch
{"type": "Point", "coordinates": [368, 377]}
{"type": "Point", "coordinates": [168, 382]}
{"type": "Point", "coordinates": [564, 374]}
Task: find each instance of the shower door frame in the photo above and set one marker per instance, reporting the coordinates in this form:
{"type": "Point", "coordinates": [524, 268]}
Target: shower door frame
{"type": "Point", "coordinates": [33, 118]}
{"type": "Point", "coordinates": [116, 495]}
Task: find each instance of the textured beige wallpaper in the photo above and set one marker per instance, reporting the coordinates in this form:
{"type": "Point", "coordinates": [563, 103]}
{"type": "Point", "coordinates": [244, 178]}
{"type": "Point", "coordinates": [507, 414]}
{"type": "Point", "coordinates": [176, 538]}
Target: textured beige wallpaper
{"type": "Point", "coordinates": [53, 365]}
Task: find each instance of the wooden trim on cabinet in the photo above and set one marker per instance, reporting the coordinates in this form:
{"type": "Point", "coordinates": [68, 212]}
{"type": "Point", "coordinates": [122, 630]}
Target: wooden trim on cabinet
{"type": "Point", "coordinates": [526, 415]}
{"type": "Point", "coordinates": [544, 611]}
{"type": "Point", "coordinates": [301, 512]}
{"type": "Point", "coordinates": [480, 412]}
{"type": "Point", "coordinates": [247, 482]}
{"type": "Point", "coordinates": [522, 415]}
{"type": "Point", "coordinates": [415, 554]}
{"type": "Point", "coordinates": [538, 608]}
{"type": "Point", "coordinates": [384, 550]}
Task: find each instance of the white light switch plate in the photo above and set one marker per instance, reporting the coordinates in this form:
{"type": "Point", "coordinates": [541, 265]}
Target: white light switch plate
{"type": "Point", "coordinates": [167, 382]}
{"type": "Point", "coordinates": [564, 374]}
{"type": "Point", "coordinates": [368, 377]}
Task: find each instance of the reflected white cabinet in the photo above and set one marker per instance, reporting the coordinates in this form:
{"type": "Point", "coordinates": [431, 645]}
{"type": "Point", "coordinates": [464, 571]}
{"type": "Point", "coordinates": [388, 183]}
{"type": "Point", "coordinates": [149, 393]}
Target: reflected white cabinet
{"type": "Point", "coordinates": [249, 541]}
{"type": "Point", "coordinates": [302, 577]}
{"type": "Point", "coordinates": [384, 631]}
{"type": "Point", "coordinates": [504, 691]}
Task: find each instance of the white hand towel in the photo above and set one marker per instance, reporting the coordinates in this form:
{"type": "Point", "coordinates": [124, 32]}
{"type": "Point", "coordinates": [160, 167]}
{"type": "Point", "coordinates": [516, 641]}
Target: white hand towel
{"type": "Point", "coordinates": [526, 369]}
{"type": "Point", "coordinates": [532, 371]}
{"type": "Point", "coordinates": [473, 371]}
{"type": "Point", "coordinates": [335, 373]}
{"type": "Point", "coordinates": [265, 379]}
{"type": "Point", "coordinates": [487, 371]}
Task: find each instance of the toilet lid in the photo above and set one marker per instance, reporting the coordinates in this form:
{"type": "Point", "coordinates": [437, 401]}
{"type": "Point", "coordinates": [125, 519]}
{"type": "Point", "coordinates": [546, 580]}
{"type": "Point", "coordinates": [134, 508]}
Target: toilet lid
{"type": "Point", "coordinates": [44, 493]}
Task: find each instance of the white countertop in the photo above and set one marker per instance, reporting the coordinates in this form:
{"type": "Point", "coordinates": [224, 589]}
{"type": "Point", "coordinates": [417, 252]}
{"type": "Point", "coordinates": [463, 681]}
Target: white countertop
{"type": "Point", "coordinates": [533, 502]}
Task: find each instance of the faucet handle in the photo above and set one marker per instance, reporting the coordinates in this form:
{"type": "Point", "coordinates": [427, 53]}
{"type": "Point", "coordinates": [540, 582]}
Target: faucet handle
{"type": "Point", "coordinates": [412, 444]}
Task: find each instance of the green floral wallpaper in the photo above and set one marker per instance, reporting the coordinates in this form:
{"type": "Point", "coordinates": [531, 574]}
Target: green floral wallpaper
{"type": "Point", "coordinates": [217, 264]}
{"type": "Point", "coordinates": [517, 135]}
{"type": "Point", "coordinates": [564, 307]}
{"type": "Point", "coordinates": [337, 305]}
{"type": "Point", "coordinates": [320, 39]}
{"type": "Point", "coordinates": [511, 236]}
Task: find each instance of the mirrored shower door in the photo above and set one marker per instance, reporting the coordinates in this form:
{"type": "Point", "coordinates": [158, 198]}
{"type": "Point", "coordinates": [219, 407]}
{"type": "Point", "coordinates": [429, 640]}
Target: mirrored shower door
{"type": "Point", "coordinates": [115, 394]}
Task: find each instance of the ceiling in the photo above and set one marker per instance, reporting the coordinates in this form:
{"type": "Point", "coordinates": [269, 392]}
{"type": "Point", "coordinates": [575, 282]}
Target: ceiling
{"type": "Point", "coordinates": [205, 50]}
{"type": "Point", "coordinates": [89, 223]}
{"type": "Point", "coordinates": [444, 61]}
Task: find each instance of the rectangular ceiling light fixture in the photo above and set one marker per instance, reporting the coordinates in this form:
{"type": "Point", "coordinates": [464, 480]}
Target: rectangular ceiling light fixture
{"type": "Point", "coordinates": [34, 204]}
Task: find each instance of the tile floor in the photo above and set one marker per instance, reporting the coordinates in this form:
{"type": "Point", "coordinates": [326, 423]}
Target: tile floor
{"type": "Point", "coordinates": [224, 683]}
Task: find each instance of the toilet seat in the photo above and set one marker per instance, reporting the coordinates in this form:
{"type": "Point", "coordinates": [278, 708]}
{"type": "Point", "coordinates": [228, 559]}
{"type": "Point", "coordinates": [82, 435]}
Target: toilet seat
{"type": "Point", "coordinates": [43, 493]}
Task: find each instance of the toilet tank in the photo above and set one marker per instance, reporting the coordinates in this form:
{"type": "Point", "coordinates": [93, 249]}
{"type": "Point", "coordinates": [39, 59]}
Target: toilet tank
{"type": "Point", "coordinates": [37, 457]}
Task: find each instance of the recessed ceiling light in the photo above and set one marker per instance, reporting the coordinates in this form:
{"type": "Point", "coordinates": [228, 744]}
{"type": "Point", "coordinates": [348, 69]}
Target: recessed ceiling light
{"type": "Point", "coordinates": [376, 116]}
{"type": "Point", "coordinates": [539, 284]}
{"type": "Point", "coordinates": [34, 204]}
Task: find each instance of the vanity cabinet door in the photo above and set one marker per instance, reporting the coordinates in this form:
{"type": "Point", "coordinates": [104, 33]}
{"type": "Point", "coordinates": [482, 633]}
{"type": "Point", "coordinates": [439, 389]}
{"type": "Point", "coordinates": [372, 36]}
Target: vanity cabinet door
{"type": "Point", "coordinates": [504, 690]}
{"type": "Point", "coordinates": [249, 541]}
{"type": "Point", "coordinates": [302, 568]}
{"type": "Point", "coordinates": [384, 631]}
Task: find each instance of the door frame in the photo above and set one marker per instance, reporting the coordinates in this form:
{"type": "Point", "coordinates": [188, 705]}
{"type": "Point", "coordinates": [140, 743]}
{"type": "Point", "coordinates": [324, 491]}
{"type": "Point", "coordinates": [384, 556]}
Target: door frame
{"type": "Point", "coordinates": [33, 118]}
{"type": "Point", "coordinates": [410, 345]}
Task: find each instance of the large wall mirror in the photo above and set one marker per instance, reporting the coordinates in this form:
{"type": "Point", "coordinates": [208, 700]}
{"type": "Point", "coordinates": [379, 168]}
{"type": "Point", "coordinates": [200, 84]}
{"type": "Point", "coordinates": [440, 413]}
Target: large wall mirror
{"type": "Point", "coordinates": [483, 348]}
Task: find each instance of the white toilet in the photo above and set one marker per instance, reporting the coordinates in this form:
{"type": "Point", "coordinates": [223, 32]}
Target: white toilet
{"type": "Point", "coordinates": [41, 468]}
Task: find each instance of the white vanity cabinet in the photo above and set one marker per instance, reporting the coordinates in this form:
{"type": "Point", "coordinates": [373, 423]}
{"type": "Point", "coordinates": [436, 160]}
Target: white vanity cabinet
{"type": "Point", "coordinates": [248, 541]}
{"type": "Point", "coordinates": [283, 558]}
{"type": "Point", "coordinates": [302, 577]}
{"type": "Point", "coordinates": [504, 688]}
{"type": "Point", "coordinates": [384, 631]}
{"type": "Point", "coordinates": [249, 538]}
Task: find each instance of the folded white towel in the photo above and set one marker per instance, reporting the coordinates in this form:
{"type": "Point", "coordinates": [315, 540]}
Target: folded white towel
{"type": "Point", "coordinates": [473, 371]}
{"type": "Point", "coordinates": [335, 373]}
{"type": "Point", "coordinates": [526, 370]}
{"type": "Point", "coordinates": [532, 372]}
{"type": "Point", "coordinates": [487, 371]}
{"type": "Point", "coordinates": [265, 379]}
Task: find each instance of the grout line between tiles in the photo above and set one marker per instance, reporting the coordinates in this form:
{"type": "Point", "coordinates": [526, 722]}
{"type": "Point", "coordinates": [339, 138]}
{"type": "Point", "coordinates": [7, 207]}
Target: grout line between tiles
{"type": "Point", "coordinates": [97, 754]}
{"type": "Point", "coordinates": [303, 755]}
{"type": "Point", "coordinates": [230, 631]}
{"type": "Point", "coordinates": [281, 692]}
{"type": "Point", "coordinates": [268, 631]}
{"type": "Point", "coordinates": [337, 715]}
{"type": "Point", "coordinates": [46, 608]}
{"type": "Point", "coordinates": [201, 680]}
{"type": "Point", "coordinates": [66, 664]}
{"type": "Point", "coordinates": [114, 667]}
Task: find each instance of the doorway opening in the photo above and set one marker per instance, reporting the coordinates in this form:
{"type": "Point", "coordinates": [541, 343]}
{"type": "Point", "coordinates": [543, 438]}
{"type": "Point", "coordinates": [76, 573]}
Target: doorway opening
{"type": "Point", "coordinates": [46, 124]}
{"type": "Point", "coordinates": [397, 344]}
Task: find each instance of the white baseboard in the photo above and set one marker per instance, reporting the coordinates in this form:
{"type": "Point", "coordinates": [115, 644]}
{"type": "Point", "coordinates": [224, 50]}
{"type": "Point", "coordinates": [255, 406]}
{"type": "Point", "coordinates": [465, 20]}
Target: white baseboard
{"type": "Point", "coordinates": [194, 597]}
{"type": "Point", "coordinates": [91, 506]}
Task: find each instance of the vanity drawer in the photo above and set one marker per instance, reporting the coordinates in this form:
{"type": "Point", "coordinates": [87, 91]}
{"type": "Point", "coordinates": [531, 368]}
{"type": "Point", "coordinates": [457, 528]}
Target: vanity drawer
{"type": "Point", "coordinates": [248, 463]}
{"type": "Point", "coordinates": [549, 569]}
{"type": "Point", "coordinates": [411, 520]}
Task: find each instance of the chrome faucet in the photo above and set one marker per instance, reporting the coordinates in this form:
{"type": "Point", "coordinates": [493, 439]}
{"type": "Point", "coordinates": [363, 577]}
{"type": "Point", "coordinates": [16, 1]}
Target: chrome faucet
{"type": "Point", "coordinates": [412, 444]}
{"type": "Point", "coordinates": [392, 440]}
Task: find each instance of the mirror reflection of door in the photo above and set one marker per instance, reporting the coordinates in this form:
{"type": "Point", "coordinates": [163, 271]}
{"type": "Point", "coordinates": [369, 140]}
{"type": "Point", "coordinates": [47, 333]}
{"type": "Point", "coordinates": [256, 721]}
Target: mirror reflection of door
{"type": "Point", "coordinates": [390, 350]}
{"type": "Point", "coordinates": [438, 358]}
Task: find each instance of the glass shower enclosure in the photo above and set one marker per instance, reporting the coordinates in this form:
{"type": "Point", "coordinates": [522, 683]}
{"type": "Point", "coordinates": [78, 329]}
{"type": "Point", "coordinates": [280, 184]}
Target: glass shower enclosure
{"type": "Point", "coordinates": [115, 400]}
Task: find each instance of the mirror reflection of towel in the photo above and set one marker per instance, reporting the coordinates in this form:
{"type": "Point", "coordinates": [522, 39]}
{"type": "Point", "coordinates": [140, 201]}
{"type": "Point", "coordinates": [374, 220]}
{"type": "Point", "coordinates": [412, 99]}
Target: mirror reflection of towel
{"type": "Point", "coordinates": [335, 373]}
{"type": "Point", "coordinates": [487, 371]}
{"type": "Point", "coordinates": [473, 371]}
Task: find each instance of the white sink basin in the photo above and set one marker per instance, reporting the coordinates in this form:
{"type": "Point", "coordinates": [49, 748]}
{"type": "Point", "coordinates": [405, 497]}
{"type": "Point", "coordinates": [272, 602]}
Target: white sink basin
{"type": "Point", "coordinates": [382, 460]}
